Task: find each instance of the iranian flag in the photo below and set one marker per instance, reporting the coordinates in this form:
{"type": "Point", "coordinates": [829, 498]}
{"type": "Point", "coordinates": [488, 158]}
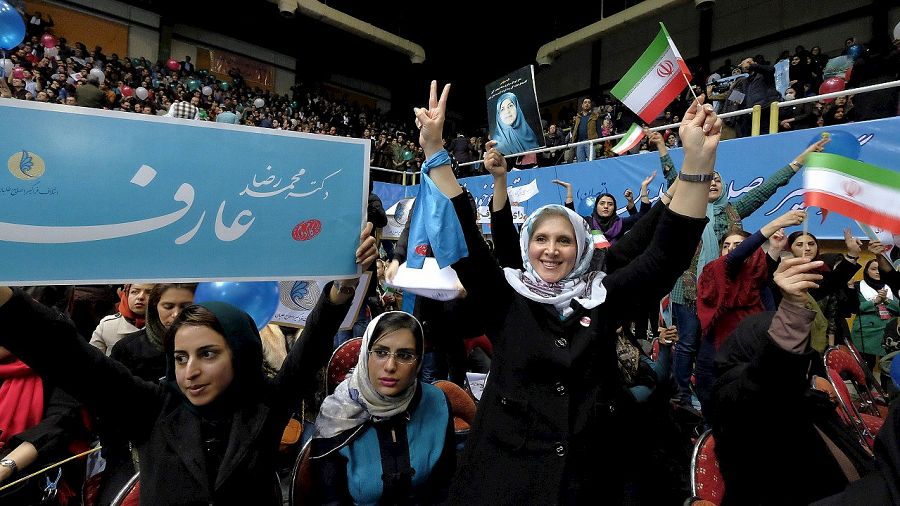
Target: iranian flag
{"type": "Point", "coordinates": [632, 137]}
{"type": "Point", "coordinates": [655, 80]}
{"type": "Point", "coordinates": [858, 190]}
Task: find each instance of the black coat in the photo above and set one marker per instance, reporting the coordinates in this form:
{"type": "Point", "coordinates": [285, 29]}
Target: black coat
{"type": "Point", "coordinates": [156, 417]}
{"type": "Point", "coordinates": [554, 412]}
{"type": "Point", "coordinates": [767, 444]}
{"type": "Point", "coordinates": [140, 356]}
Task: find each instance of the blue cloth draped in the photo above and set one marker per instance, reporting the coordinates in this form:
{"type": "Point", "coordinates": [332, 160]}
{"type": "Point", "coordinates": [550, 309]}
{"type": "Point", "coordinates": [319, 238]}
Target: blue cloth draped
{"type": "Point", "coordinates": [434, 223]}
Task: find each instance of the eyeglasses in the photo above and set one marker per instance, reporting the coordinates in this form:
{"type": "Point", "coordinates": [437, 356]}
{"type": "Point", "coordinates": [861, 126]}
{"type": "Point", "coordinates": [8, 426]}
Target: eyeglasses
{"type": "Point", "coordinates": [401, 357]}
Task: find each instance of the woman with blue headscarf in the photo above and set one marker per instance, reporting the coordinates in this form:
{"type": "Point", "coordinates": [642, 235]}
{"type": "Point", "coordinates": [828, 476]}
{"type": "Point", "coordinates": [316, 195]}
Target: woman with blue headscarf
{"type": "Point", "coordinates": [723, 216]}
{"type": "Point", "coordinates": [513, 133]}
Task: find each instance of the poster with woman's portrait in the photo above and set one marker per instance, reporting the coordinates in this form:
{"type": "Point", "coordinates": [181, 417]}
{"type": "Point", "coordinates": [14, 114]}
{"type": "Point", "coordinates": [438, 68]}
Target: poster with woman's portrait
{"type": "Point", "coordinates": [513, 116]}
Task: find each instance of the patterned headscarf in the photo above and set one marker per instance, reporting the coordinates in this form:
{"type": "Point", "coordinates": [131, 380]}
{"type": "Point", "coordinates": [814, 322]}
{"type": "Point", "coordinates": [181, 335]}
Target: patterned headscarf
{"type": "Point", "coordinates": [582, 286]}
{"type": "Point", "coordinates": [355, 400]}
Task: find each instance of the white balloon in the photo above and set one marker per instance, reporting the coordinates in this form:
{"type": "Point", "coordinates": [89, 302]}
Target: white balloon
{"type": "Point", "coordinates": [141, 93]}
{"type": "Point", "coordinates": [98, 74]}
{"type": "Point", "coordinates": [51, 52]}
{"type": "Point", "coordinates": [207, 91]}
{"type": "Point", "coordinates": [259, 103]}
{"type": "Point", "coordinates": [897, 31]}
{"type": "Point", "coordinates": [7, 66]}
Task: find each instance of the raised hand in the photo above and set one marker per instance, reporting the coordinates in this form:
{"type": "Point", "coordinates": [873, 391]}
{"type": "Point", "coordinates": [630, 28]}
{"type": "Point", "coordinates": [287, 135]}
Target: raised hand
{"type": "Point", "coordinates": [629, 196]}
{"type": "Point", "coordinates": [391, 270]}
{"type": "Point", "coordinates": [494, 162]}
{"type": "Point", "coordinates": [699, 132]}
{"type": "Point", "coordinates": [366, 253]}
{"type": "Point", "coordinates": [817, 147]}
{"type": "Point", "coordinates": [778, 242]}
{"type": "Point", "coordinates": [854, 245]}
{"type": "Point", "coordinates": [646, 182]}
{"type": "Point", "coordinates": [795, 277]}
{"type": "Point", "coordinates": [788, 219]}
{"type": "Point", "coordinates": [564, 184]}
{"type": "Point", "coordinates": [430, 121]}
{"type": "Point", "coordinates": [877, 248]}
{"type": "Point", "coordinates": [654, 138]}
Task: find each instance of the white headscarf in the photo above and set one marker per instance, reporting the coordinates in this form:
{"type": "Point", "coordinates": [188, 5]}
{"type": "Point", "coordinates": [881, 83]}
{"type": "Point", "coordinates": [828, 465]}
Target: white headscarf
{"type": "Point", "coordinates": [355, 400]}
{"type": "Point", "coordinates": [580, 285]}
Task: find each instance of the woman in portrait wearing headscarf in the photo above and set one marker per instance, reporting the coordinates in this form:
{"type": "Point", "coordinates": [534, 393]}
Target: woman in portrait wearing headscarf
{"type": "Point", "coordinates": [513, 133]}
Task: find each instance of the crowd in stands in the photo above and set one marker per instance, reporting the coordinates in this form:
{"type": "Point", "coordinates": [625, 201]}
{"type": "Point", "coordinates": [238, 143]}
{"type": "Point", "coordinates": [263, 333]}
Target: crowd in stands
{"type": "Point", "coordinates": [593, 394]}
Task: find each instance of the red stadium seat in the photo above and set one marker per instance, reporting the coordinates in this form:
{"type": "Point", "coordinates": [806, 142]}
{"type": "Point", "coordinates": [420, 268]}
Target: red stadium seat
{"type": "Point", "coordinates": [462, 405]}
{"type": "Point", "coordinates": [706, 479]}
{"type": "Point", "coordinates": [341, 364]}
{"type": "Point", "coordinates": [130, 493]}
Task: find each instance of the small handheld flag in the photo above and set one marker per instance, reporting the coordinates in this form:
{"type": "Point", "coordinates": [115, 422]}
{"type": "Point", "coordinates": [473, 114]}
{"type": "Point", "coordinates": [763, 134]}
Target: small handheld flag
{"type": "Point", "coordinates": [632, 137]}
{"type": "Point", "coordinates": [855, 189]}
{"type": "Point", "coordinates": [653, 81]}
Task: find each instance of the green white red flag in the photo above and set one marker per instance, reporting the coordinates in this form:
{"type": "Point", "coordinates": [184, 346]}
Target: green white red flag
{"type": "Point", "coordinates": [655, 79]}
{"type": "Point", "coordinates": [855, 189]}
{"type": "Point", "coordinates": [632, 137]}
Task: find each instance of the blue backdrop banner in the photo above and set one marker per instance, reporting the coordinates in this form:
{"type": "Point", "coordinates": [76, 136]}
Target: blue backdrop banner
{"type": "Point", "coordinates": [102, 196]}
{"type": "Point", "coordinates": [743, 164]}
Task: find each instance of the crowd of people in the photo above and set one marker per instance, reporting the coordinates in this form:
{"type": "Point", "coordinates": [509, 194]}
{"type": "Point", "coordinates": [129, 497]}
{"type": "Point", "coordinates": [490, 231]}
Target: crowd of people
{"type": "Point", "coordinates": [563, 312]}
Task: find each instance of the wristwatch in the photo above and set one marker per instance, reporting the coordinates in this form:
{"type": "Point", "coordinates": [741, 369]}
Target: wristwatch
{"type": "Point", "coordinates": [696, 178]}
{"type": "Point", "coordinates": [10, 463]}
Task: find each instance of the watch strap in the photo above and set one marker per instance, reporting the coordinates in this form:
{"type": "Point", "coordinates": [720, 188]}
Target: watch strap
{"type": "Point", "coordinates": [696, 178]}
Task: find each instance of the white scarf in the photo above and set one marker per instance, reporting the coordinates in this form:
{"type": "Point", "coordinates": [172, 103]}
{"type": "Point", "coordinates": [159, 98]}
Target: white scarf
{"type": "Point", "coordinates": [582, 286]}
{"type": "Point", "coordinates": [870, 294]}
{"type": "Point", "coordinates": [355, 400]}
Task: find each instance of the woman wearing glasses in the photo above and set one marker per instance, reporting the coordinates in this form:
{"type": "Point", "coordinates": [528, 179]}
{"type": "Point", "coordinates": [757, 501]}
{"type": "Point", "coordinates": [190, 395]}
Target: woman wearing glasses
{"type": "Point", "coordinates": [383, 437]}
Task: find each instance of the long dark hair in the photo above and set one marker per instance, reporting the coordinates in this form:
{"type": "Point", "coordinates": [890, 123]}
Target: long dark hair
{"type": "Point", "coordinates": [794, 235]}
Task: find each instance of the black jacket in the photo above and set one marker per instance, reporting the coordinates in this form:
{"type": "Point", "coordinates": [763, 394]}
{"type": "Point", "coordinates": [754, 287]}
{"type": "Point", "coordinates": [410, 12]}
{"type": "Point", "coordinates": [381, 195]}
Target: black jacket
{"type": "Point", "coordinates": [767, 444]}
{"type": "Point", "coordinates": [156, 417]}
{"type": "Point", "coordinates": [555, 411]}
{"type": "Point", "coordinates": [144, 360]}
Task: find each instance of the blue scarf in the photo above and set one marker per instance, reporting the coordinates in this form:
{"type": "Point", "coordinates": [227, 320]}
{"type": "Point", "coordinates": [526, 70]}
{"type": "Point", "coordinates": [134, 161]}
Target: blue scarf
{"type": "Point", "coordinates": [710, 249]}
{"type": "Point", "coordinates": [435, 222]}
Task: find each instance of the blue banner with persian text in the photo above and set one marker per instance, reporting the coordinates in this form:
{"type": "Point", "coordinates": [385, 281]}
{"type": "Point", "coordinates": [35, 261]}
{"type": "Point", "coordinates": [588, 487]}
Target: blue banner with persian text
{"type": "Point", "coordinates": [94, 196]}
{"type": "Point", "coordinates": [743, 163]}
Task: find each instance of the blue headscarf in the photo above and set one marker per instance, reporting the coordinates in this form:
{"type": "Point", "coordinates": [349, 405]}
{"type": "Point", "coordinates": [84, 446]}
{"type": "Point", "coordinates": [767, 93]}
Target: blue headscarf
{"type": "Point", "coordinates": [517, 137]}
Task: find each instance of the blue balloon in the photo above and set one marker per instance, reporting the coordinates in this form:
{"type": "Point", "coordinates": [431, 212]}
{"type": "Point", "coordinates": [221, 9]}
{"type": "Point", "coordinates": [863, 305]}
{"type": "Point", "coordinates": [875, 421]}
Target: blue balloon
{"type": "Point", "coordinates": [855, 51]}
{"type": "Point", "coordinates": [842, 143]}
{"type": "Point", "coordinates": [895, 370]}
{"type": "Point", "coordinates": [259, 299]}
{"type": "Point", "coordinates": [12, 26]}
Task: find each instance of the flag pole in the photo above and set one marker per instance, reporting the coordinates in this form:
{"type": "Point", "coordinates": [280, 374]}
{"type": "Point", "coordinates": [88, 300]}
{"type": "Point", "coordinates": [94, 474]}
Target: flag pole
{"type": "Point", "coordinates": [806, 223]}
{"type": "Point", "coordinates": [691, 88]}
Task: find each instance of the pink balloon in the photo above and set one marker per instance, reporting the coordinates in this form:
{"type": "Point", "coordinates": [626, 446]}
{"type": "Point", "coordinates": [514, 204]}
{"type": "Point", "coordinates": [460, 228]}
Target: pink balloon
{"type": "Point", "coordinates": [831, 85]}
{"type": "Point", "coordinates": [173, 64]}
{"type": "Point", "coordinates": [18, 73]}
{"type": "Point", "coordinates": [48, 41]}
{"type": "Point", "coordinates": [127, 91]}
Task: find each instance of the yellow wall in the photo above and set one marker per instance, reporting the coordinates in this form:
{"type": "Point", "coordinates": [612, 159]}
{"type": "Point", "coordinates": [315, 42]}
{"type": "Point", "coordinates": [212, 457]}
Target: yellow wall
{"type": "Point", "coordinates": [81, 27]}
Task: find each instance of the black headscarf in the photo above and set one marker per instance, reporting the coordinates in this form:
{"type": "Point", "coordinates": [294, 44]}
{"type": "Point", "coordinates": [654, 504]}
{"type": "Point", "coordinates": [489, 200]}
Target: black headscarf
{"type": "Point", "coordinates": [876, 284]}
{"type": "Point", "coordinates": [243, 340]}
{"type": "Point", "coordinates": [600, 223]}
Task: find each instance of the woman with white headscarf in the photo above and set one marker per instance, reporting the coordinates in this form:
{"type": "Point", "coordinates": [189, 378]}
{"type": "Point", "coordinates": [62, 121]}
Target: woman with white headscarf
{"type": "Point", "coordinates": [555, 412]}
{"type": "Point", "coordinates": [383, 437]}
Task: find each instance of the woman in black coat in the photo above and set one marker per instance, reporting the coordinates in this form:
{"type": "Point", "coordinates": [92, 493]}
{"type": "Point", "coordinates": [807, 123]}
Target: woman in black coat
{"type": "Point", "coordinates": [549, 417]}
{"type": "Point", "coordinates": [778, 440]}
{"type": "Point", "coordinates": [210, 433]}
